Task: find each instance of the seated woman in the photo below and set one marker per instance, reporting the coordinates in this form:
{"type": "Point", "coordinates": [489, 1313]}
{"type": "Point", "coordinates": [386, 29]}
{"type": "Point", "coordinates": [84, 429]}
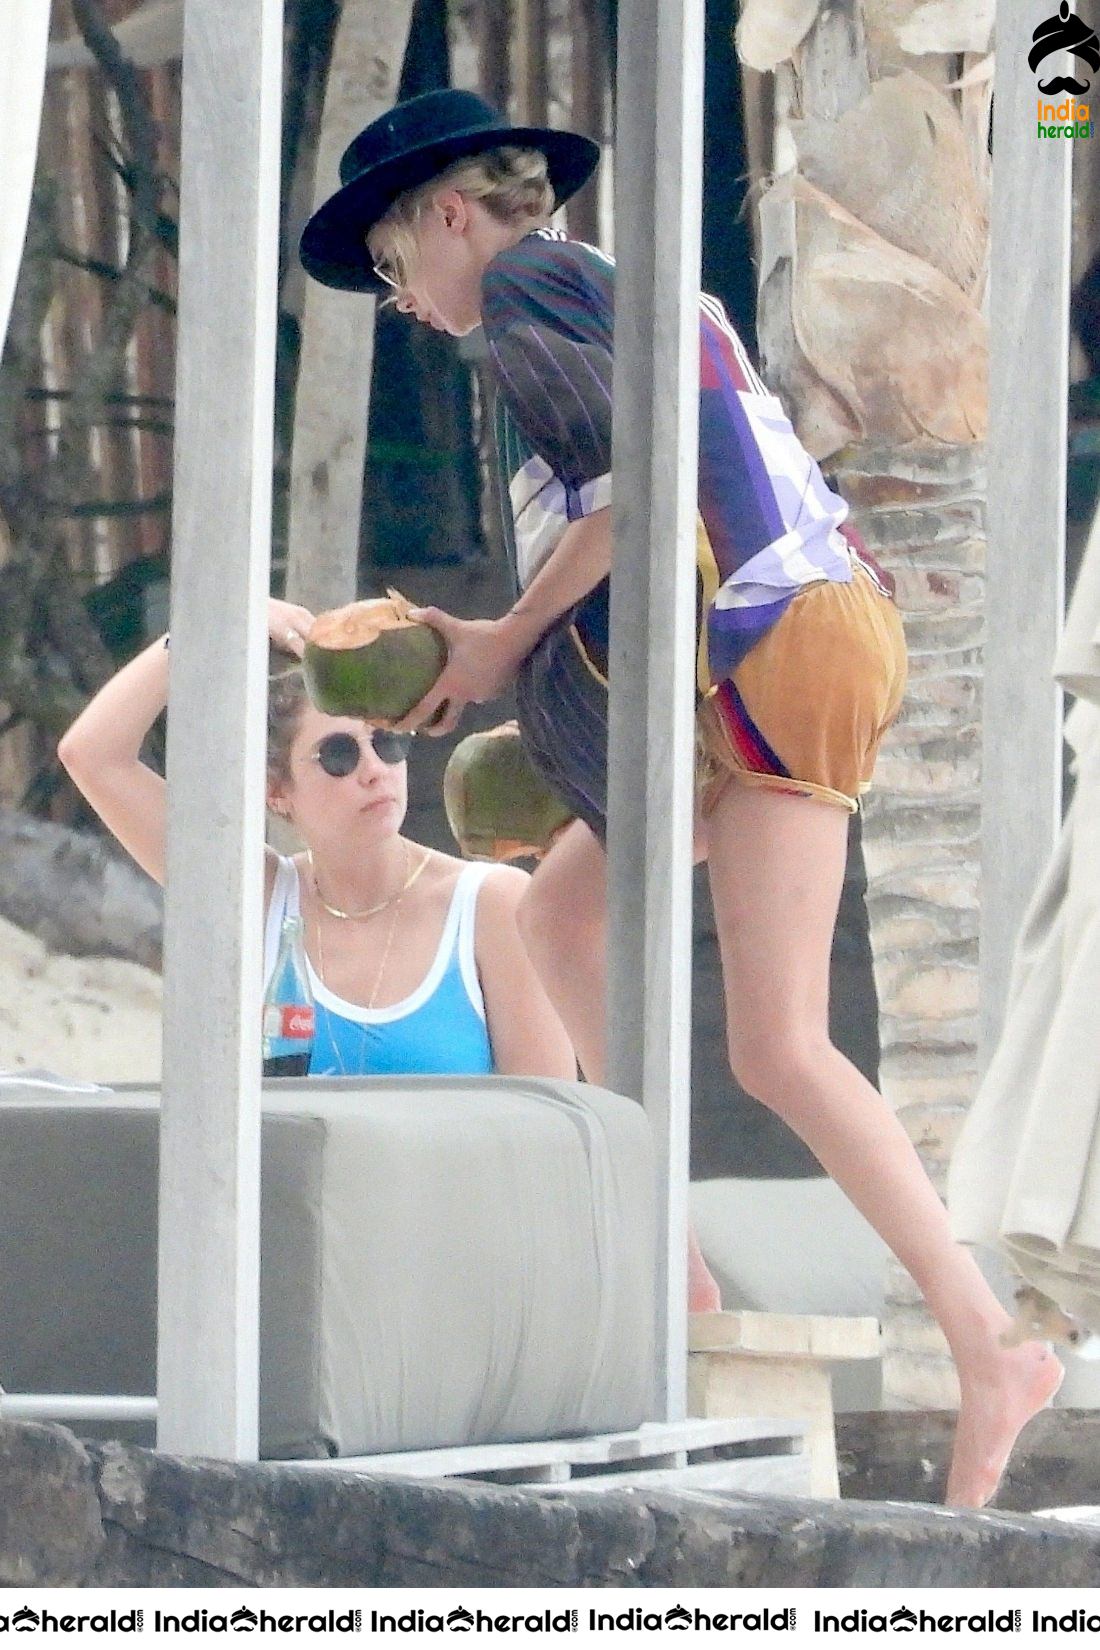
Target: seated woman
{"type": "Point", "coordinates": [415, 959]}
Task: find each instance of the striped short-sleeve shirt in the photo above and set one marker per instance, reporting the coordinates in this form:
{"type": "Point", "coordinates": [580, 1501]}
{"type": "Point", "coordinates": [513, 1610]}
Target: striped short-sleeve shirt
{"type": "Point", "coordinates": [770, 524]}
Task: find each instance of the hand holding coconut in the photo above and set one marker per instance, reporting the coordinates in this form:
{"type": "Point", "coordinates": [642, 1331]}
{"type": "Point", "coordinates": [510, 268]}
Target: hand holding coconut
{"type": "Point", "coordinates": [483, 656]}
{"type": "Point", "coordinates": [372, 659]}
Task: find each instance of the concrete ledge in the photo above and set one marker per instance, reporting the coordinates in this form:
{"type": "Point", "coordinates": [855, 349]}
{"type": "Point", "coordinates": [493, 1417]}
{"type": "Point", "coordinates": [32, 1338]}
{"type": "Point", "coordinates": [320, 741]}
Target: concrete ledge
{"type": "Point", "coordinates": [115, 1516]}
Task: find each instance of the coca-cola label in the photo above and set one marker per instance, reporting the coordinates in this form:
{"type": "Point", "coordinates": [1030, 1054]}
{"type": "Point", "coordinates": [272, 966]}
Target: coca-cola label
{"type": "Point", "coordinates": [291, 1021]}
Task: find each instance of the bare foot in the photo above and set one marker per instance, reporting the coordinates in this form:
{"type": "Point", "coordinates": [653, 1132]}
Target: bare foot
{"type": "Point", "coordinates": [703, 1293]}
{"type": "Point", "coordinates": [997, 1403]}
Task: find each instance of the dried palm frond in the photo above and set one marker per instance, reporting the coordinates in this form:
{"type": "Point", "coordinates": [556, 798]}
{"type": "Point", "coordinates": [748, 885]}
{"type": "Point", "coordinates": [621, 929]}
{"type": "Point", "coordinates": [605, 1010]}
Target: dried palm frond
{"type": "Point", "coordinates": [978, 72]}
{"type": "Point", "coordinates": [947, 26]}
{"type": "Point", "coordinates": [916, 34]}
{"type": "Point", "coordinates": [769, 31]}
{"type": "Point", "coordinates": [900, 163]}
{"type": "Point", "coordinates": [864, 339]}
{"type": "Point", "coordinates": [975, 92]}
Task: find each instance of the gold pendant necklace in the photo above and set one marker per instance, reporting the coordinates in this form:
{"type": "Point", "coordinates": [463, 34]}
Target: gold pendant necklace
{"type": "Point", "coordinates": [395, 901]}
{"type": "Point", "coordinates": [371, 910]}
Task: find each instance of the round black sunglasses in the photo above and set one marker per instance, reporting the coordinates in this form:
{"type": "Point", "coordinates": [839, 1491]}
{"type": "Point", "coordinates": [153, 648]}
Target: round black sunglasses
{"type": "Point", "coordinates": [339, 753]}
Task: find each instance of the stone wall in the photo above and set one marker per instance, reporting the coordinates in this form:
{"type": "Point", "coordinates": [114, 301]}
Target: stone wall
{"type": "Point", "coordinates": [904, 1456]}
{"type": "Point", "coordinates": [112, 1516]}
{"type": "Point", "coordinates": [920, 510]}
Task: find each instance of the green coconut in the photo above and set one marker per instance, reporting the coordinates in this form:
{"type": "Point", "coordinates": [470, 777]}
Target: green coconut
{"type": "Point", "coordinates": [498, 806]}
{"type": "Point", "coordinates": [370, 659]}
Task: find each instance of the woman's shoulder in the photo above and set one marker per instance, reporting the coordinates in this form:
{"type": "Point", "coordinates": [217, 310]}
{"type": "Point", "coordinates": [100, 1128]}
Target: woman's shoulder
{"type": "Point", "coordinates": [443, 872]}
{"type": "Point", "coordinates": [498, 896]}
{"type": "Point", "coordinates": [503, 885]}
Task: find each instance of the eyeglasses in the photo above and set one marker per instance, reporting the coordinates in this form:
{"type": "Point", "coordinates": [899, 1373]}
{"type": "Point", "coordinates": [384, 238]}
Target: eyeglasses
{"type": "Point", "coordinates": [340, 753]}
{"type": "Point", "coordinates": [388, 275]}
{"type": "Point", "coordinates": [391, 270]}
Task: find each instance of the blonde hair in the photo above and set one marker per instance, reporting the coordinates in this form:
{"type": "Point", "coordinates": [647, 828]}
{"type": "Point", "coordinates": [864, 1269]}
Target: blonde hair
{"type": "Point", "coordinates": [511, 184]}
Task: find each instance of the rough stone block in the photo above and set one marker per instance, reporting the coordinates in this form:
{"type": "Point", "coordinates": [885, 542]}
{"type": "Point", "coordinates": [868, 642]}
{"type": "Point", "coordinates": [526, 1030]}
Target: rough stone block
{"type": "Point", "coordinates": [914, 775]}
{"type": "Point", "coordinates": [918, 1380]}
{"type": "Point", "coordinates": [168, 1522]}
{"type": "Point", "coordinates": [934, 993]}
{"type": "Point", "coordinates": [929, 589]}
{"type": "Point", "coordinates": [939, 633]}
{"type": "Point", "coordinates": [50, 1526]}
{"type": "Point", "coordinates": [953, 696]}
{"type": "Point", "coordinates": [918, 1059]}
{"type": "Point", "coordinates": [203, 1523]}
{"type": "Point", "coordinates": [932, 1129]}
{"type": "Point", "coordinates": [908, 931]}
{"type": "Point", "coordinates": [910, 1329]}
{"type": "Point", "coordinates": [938, 885]}
{"type": "Point", "coordinates": [916, 822]}
{"type": "Point", "coordinates": [902, 1455]}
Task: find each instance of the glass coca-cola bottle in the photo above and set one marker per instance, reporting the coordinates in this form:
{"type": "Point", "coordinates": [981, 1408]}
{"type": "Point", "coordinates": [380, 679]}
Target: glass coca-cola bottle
{"type": "Point", "coordinates": [288, 1007]}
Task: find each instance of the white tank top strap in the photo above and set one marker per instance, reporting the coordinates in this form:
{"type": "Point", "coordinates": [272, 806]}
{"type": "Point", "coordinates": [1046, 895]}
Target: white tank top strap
{"type": "Point", "coordinates": [283, 902]}
{"type": "Point", "coordinates": [466, 891]}
{"type": "Point", "coordinates": [458, 939]}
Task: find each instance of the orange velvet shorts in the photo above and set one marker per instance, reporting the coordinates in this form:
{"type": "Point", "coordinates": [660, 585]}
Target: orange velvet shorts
{"type": "Point", "coordinates": [806, 709]}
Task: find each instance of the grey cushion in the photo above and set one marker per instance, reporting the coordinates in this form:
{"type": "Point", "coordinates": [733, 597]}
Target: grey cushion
{"type": "Point", "coordinates": [444, 1261]}
{"type": "Point", "coordinates": [78, 1223]}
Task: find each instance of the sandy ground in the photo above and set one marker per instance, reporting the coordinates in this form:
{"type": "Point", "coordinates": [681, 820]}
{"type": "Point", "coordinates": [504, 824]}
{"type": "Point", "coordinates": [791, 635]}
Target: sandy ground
{"type": "Point", "coordinates": [88, 1017]}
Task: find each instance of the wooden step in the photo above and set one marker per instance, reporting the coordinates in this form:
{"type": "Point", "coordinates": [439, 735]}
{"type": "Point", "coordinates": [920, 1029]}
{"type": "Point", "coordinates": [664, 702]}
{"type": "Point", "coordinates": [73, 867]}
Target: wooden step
{"type": "Point", "coordinates": [745, 1363]}
{"type": "Point", "coordinates": [784, 1335]}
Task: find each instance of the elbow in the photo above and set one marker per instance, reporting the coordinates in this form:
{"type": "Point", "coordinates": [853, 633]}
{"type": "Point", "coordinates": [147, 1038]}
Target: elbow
{"type": "Point", "coordinates": [70, 753]}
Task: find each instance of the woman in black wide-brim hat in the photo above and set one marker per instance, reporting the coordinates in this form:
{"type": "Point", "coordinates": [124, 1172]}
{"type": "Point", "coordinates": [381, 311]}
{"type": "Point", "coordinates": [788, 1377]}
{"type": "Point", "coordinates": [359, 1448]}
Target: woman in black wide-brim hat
{"type": "Point", "coordinates": [447, 207]}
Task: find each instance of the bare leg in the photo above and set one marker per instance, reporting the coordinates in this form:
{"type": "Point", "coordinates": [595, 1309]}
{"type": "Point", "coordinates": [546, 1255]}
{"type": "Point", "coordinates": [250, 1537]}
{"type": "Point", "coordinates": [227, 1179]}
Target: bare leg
{"type": "Point", "coordinates": [776, 868]}
{"type": "Point", "coordinates": [563, 920]}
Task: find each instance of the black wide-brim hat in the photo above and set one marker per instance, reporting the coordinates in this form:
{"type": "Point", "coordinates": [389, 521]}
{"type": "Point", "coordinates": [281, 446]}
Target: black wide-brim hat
{"type": "Point", "coordinates": [410, 144]}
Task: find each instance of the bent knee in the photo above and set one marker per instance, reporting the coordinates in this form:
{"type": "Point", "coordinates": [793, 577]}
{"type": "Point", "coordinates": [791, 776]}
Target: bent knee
{"type": "Point", "coordinates": [550, 909]}
{"type": "Point", "coordinates": [780, 1069]}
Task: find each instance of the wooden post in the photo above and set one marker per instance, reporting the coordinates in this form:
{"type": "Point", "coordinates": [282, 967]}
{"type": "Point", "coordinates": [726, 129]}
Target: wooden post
{"type": "Point", "coordinates": [532, 68]}
{"type": "Point", "coordinates": [1024, 601]}
{"type": "Point", "coordinates": [494, 39]}
{"type": "Point", "coordinates": [658, 153]}
{"type": "Point", "coordinates": [332, 398]}
{"type": "Point", "coordinates": [587, 72]}
{"type": "Point", "coordinates": [207, 1355]}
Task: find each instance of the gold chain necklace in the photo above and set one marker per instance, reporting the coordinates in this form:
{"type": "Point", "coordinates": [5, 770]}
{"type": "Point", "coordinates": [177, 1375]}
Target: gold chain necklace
{"type": "Point", "coordinates": [395, 901]}
{"type": "Point", "coordinates": [381, 966]}
{"type": "Point", "coordinates": [371, 910]}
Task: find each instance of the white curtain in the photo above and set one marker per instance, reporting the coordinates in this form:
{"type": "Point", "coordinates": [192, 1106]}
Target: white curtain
{"type": "Point", "coordinates": [24, 33]}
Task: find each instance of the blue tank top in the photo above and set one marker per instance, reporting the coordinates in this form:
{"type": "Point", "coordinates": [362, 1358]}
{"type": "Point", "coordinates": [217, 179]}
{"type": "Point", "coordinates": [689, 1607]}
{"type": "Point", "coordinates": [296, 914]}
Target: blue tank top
{"type": "Point", "coordinates": [439, 1029]}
